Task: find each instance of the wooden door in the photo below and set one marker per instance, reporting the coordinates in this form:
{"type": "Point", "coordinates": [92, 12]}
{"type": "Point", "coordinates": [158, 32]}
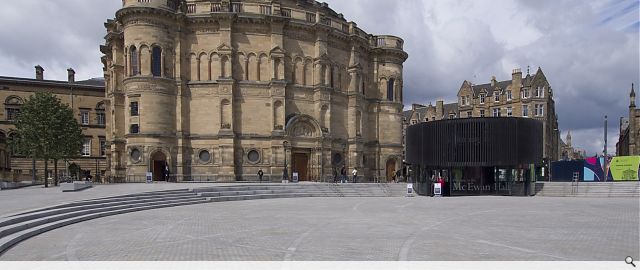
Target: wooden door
{"type": "Point", "coordinates": [158, 170]}
{"type": "Point", "coordinates": [301, 166]}
{"type": "Point", "coordinates": [391, 169]}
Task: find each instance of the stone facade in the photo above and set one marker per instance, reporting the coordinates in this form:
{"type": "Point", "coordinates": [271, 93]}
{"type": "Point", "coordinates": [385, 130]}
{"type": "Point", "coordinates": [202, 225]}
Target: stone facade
{"type": "Point", "coordinates": [568, 152]}
{"type": "Point", "coordinates": [629, 140]}
{"type": "Point", "coordinates": [87, 100]}
{"type": "Point", "coordinates": [221, 89]}
{"type": "Point", "coordinates": [530, 96]}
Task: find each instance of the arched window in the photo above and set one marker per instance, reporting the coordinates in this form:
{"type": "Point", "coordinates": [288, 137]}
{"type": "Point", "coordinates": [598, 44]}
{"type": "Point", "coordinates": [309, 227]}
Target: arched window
{"type": "Point", "coordinates": [225, 121]}
{"type": "Point", "coordinates": [13, 105]}
{"type": "Point", "coordinates": [133, 58]}
{"type": "Point", "coordinates": [156, 61]}
{"type": "Point", "coordinates": [390, 86]}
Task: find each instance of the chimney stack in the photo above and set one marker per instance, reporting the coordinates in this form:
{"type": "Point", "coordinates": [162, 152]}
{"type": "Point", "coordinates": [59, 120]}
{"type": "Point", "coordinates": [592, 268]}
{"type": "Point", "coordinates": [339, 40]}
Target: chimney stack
{"type": "Point", "coordinates": [440, 110]}
{"type": "Point", "coordinates": [71, 74]}
{"type": "Point", "coordinates": [493, 81]}
{"type": "Point", "coordinates": [39, 73]}
{"type": "Point", "coordinates": [516, 78]}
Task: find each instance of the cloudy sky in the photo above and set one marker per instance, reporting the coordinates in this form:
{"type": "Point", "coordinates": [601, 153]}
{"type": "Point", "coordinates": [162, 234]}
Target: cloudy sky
{"type": "Point", "coordinates": [589, 50]}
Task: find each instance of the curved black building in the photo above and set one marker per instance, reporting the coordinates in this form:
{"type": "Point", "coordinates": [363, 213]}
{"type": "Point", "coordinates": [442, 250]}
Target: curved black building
{"type": "Point", "coordinates": [476, 155]}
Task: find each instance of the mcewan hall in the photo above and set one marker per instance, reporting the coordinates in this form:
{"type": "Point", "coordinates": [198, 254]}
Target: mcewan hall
{"type": "Point", "coordinates": [224, 89]}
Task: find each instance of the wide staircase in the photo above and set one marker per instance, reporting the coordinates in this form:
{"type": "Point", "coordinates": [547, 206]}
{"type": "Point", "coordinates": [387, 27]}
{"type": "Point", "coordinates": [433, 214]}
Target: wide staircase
{"type": "Point", "coordinates": [16, 228]}
{"type": "Point", "coordinates": [588, 189]}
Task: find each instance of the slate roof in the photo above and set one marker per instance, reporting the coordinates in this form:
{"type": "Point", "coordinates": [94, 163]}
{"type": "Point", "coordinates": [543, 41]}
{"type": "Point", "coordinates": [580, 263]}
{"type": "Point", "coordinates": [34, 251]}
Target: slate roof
{"type": "Point", "coordinates": [95, 83]}
{"type": "Point", "coordinates": [450, 108]}
{"type": "Point", "coordinates": [487, 86]}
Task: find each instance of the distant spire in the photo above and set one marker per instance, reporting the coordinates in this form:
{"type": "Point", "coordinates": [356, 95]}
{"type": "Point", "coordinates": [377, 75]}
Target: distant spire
{"type": "Point", "coordinates": [528, 67]}
{"type": "Point", "coordinates": [569, 138]}
{"type": "Point", "coordinates": [632, 97]}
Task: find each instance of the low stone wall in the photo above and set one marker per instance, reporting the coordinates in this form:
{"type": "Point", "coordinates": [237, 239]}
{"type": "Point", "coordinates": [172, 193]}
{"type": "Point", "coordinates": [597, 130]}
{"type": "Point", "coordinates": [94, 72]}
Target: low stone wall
{"type": "Point", "coordinates": [75, 186]}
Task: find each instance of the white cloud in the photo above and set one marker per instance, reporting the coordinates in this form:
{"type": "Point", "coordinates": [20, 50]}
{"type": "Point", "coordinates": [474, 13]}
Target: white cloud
{"type": "Point", "coordinates": [584, 47]}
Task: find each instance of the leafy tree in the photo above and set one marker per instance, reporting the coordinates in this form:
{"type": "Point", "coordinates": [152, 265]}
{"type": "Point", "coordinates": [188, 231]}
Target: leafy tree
{"type": "Point", "coordinates": [48, 131]}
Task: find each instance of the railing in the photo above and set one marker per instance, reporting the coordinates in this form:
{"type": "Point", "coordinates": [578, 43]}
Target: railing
{"type": "Point", "coordinates": [265, 10]}
{"type": "Point", "coordinates": [216, 7]}
{"type": "Point", "coordinates": [311, 17]}
{"type": "Point", "coordinates": [388, 42]}
{"type": "Point", "coordinates": [285, 12]}
{"type": "Point", "coordinates": [236, 7]}
{"type": "Point", "coordinates": [191, 8]}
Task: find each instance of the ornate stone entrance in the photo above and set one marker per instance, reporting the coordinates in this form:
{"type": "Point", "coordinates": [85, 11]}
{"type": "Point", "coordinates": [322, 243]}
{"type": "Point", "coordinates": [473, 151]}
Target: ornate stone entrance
{"type": "Point", "coordinates": [306, 140]}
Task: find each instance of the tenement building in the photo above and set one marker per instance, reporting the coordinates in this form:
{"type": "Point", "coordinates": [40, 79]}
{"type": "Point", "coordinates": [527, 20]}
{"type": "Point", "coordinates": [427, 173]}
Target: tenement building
{"type": "Point", "coordinates": [629, 140]}
{"type": "Point", "coordinates": [529, 97]}
{"type": "Point", "coordinates": [86, 98]}
{"type": "Point", "coordinates": [223, 89]}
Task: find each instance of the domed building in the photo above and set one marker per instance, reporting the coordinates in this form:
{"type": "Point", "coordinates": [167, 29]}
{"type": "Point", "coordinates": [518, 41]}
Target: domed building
{"type": "Point", "coordinates": [218, 90]}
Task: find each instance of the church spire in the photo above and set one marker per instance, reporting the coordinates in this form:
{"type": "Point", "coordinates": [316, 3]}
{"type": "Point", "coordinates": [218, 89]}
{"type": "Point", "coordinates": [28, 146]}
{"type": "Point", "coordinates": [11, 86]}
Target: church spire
{"type": "Point", "coordinates": [632, 96]}
{"type": "Point", "coordinates": [569, 138]}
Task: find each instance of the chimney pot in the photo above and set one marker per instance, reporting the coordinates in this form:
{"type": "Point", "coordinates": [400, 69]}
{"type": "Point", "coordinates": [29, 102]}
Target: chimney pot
{"type": "Point", "coordinates": [39, 73]}
{"type": "Point", "coordinates": [71, 74]}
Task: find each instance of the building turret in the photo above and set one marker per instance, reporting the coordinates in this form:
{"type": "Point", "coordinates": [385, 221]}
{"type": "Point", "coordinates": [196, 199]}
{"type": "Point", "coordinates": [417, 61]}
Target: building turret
{"type": "Point", "coordinates": [568, 141]}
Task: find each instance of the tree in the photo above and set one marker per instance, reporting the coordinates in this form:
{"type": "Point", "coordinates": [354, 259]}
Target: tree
{"type": "Point", "coordinates": [47, 130]}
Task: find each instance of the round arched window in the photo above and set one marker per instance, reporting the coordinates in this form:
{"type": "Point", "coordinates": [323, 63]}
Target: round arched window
{"type": "Point", "coordinates": [204, 156]}
{"type": "Point", "coordinates": [136, 155]}
{"type": "Point", "coordinates": [253, 156]}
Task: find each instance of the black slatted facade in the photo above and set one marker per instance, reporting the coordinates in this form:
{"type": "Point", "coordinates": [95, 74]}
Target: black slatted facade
{"type": "Point", "coordinates": [475, 142]}
{"type": "Point", "coordinates": [476, 156]}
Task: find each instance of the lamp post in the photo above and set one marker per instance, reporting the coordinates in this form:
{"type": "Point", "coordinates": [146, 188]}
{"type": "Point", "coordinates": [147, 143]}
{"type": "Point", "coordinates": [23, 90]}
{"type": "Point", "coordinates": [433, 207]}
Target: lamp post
{"type": "Point", "coordinates": [285, 172]}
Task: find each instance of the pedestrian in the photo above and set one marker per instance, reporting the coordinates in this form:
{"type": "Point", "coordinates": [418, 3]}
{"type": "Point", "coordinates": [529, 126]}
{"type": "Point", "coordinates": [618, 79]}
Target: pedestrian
{"type": "Point", "coordinates": [355, 175]}
{"type": "Point", "coordinates": [398, 173]}
{"type": "Point", "coordinates": [441, 182]}
{"type": "Point", "coordinates": [260, 174]}
{"type": "Point", "coordinates": [343, 174]}
{"type": "Point", "coordinates": [335, 175]}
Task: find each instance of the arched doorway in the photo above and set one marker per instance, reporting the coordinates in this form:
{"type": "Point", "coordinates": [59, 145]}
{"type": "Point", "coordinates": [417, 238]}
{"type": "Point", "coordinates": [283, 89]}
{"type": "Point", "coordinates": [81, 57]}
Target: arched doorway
{"type": "Point", "coordinates": [391, 169]}
{"type": "Point", "coordinates": [159, 166]}
{"type": "Point", "coordinates": [304, 134]}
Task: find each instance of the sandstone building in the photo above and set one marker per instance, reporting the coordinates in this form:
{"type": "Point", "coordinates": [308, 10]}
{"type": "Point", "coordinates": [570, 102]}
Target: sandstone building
{"type": "Point", "coordinates": [530, 96]}
{"type": "Point", "coordinates": [629, 140]}
{"type": "Point", "coordinates": [86, 98]}
{"type": "Point", "coordinates": [222, 89]}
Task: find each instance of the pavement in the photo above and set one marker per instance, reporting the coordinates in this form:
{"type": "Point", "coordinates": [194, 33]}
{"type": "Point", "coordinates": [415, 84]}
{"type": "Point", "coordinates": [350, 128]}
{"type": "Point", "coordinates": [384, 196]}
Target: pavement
{"type": "Point", "coordinates": [354, 229]}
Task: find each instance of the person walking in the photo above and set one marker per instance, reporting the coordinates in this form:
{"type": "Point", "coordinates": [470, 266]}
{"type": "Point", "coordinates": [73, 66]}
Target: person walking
{"type": "Point", "coordinates": [343, 174]}
{"type": "Point", "coordinates": [260, 174]}
{"type": "Point", "coordinates": [335, 175]}
{"type": "Point", "coordinates": [355, 175]}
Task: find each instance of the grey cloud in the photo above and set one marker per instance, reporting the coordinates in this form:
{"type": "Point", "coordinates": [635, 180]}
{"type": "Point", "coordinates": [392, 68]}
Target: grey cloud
{"type": "Point", "coordinates": [589, 64]}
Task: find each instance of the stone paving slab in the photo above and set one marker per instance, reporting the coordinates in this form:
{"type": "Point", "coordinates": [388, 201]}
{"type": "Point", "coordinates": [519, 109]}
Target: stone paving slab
{"type": "Point", "coordinates": [353, 229]}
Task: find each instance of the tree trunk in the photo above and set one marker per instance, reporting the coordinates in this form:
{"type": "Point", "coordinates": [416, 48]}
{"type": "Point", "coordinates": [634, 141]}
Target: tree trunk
{"type": "Point", "coordinates": [46, 173]}
{"type": "Point", "coordinates": [55, 172]}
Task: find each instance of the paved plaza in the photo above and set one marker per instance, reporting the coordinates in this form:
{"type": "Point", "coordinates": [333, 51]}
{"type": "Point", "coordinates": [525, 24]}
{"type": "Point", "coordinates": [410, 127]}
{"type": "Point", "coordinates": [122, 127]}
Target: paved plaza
{"type": "Point", "coordinates": [354, 229]}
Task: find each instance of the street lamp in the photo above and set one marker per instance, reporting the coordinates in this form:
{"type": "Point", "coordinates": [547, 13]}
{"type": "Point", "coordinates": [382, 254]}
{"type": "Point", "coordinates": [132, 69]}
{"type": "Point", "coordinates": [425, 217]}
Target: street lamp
{"type": "Point", "coordinates": [285, 172]}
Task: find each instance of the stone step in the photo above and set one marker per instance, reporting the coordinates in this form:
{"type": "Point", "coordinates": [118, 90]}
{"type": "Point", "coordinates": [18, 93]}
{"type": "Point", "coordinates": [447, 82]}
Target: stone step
{"type": "Point", "coordinates": [84, 208]}
{"type": "Point", "coordinates": [12, 239]}
{"type": "Point", "coordinates": [23, 224]}
{"type": "Point", "coordinates": [590, 189]}
{"type": "Point", "coordinates": [109, 200]}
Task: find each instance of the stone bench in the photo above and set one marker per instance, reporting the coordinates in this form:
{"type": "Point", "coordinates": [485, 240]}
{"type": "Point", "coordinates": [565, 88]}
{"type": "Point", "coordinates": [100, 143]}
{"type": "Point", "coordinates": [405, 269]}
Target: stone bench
{"type": "Point", "coordinates": [75, 186]}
